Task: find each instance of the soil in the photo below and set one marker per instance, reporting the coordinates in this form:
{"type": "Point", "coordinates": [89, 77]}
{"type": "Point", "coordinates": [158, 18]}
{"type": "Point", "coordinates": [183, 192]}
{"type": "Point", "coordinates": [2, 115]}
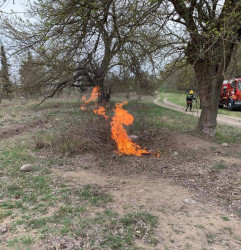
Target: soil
{"type": "Point", "coordinates": [185, 221]}
{"type": "Point", "coordinates": [18, 129]}
{"type": "Point", "coordinates": [197, 205]}
{"type": "Point", "coordinates": [197, 202]}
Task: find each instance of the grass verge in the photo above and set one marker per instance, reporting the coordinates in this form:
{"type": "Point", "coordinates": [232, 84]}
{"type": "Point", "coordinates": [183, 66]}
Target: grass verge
{"type": "Point", "coordinates": [180, 99]}
{"type": "Point", "coordinates": [149, 116]}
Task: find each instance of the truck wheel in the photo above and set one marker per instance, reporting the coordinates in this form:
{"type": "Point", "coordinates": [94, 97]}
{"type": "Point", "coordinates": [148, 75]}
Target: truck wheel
{"type": "Point", "coordinates": [220, 106]}
{"type": "Point", "coordinates": [230, 106]}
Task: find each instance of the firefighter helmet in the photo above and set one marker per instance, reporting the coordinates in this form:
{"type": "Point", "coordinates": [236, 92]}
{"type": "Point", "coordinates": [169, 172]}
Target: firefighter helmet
{"type": "Point", "coordinates": [191, 92]}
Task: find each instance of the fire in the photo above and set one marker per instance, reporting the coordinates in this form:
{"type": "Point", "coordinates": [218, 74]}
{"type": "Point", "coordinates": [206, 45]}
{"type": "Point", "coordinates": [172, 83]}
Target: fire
{"type": "Point", "coordinates": [94, 95]}
{"type": "Point", "coordinates": [119, 134]}
{"type": "Point", "coordinates": [101, 111]}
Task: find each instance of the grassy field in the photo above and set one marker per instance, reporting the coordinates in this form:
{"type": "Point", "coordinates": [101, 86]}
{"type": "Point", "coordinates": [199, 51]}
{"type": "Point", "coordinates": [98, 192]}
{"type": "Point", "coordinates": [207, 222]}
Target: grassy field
{"type": "Point", "coordinates": [180, 99]}
{"type": "Point", "coordinates": [41, 208]}
{"type": "Point", "coordinates": [151, 115]}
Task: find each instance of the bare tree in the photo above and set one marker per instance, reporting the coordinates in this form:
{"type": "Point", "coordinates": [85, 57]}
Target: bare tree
{"type": "Point", "coordinates": [178, 75]}
{"type": "Point", "coordinates": [91, 35]}
{"type": "Point", "coordinates": [90, 38]}
{"type": "Point", "coordinates": [2, 2]}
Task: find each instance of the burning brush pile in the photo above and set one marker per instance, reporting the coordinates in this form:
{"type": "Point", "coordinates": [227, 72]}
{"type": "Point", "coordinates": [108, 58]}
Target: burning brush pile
{"type": "Point", "coordinates": [121, 117]}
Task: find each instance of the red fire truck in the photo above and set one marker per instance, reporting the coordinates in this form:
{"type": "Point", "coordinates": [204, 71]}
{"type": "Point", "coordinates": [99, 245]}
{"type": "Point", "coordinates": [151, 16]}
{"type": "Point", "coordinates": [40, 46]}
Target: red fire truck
{"type": "Point", "coordinates": [231, 94]}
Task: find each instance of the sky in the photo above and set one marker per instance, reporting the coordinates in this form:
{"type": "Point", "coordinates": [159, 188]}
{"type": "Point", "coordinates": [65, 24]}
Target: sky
{"type": "Point", "coordinates": [13, 6]}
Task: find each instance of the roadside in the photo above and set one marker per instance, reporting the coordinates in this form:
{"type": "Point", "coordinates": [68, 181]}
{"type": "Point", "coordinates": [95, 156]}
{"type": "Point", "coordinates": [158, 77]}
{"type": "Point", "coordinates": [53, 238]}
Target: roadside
{"type": "Point", "coordinates": [221, 119]}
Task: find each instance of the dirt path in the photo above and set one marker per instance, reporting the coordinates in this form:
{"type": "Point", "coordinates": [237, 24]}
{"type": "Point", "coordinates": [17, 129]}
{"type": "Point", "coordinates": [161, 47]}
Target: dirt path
{"type": "Point", "coordinates": [221, 119]}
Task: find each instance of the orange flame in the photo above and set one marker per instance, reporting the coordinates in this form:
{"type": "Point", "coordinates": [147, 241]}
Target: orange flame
{"type": "Point", "coordinates": [101, 111]}
{"type": "Point", "coordinates": [119, 134]}
{"type": "Point", "coordinates": [94, 95]}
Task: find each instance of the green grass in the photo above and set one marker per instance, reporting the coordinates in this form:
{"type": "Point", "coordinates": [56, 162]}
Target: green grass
{"type": "Point", "coordinates": [225, 218]}
{"type": "Point", "coordinates": [239, 213]}
{"type": "Point", "coordinates": [175, 97]}
{"type": "Point", "coordinates": [149, 116]}
{"type": "Point", "coordinates": [220, 166]}
{"type": "Point", "coordinates": [134, 225]}
{"type": "Point", "coordinates": [180, 99]}
{"type": "Point", "coordinates": [94, 195]}
{"type": "Point", "coordinates": [18, 242]}
{"type": "Point", "coordinates": [44, 205]}
{"type": "Point", "coordinates": [41, 204]}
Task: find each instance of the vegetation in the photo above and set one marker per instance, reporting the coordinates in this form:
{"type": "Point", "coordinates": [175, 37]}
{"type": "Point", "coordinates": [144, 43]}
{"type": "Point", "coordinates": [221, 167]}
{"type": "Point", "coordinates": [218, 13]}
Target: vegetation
{"type": "Point", "coordinates": [90, 43]}
{"type": "Point", "coordinates": [30, 74]}
{"type": "Point", "coordinates": [179, 98]}
{"type": "Point", "coordinates": [63, 33]}
{"type": "Point", "coordinates": [80, 191]}
{"type": "Point", "coordinates": [5, 82]}
{"type": "Point", "coordinates": [42, 207]}
{"type": "Point", "coordinates": [30, 201]}
{"type": "Point", "coordinates": [179, 76]}
{"type": "Point", "coordinates": [209, 46]}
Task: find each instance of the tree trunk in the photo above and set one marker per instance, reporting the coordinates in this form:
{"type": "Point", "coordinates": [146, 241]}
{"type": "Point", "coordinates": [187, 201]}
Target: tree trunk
{"type": "Point", "coordinates": [103, 97]}
{"type": "Point", "coordinates": [209, 88]}
{"type": "Point", "coordinates": [99, 81]}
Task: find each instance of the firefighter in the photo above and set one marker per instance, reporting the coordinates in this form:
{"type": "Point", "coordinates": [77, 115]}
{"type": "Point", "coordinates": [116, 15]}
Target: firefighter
{"type": "Point", "coordinates": [189, 100]}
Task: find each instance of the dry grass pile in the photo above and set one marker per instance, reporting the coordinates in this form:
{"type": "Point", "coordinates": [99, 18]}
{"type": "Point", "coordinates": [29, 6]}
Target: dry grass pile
{"type": "Point", "coordinates": [85, 134]}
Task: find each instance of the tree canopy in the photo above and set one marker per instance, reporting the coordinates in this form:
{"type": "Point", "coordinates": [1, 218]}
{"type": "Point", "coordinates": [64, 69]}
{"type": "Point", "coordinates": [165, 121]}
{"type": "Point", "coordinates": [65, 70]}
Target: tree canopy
{"type": "Point", "coordinates": [81, 42]}
{"type": "Point", "coordinates": [206, 33]}
{"type": "Point", "coordinates": [88, 38]}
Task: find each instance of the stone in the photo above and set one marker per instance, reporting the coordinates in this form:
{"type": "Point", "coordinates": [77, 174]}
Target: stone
{"type": "Point", "coordinates": [190, 201]}
{"type": "Point", "coordinates": [224, 144]}
{"type": "Point", "coordinates": [133, 137]}
{"type": "Point", "coordinates": [175, 153]}
{"type": "Point", "coordinates": [27, 168]}
{"type": "Point", "coordinates": [3, 229]}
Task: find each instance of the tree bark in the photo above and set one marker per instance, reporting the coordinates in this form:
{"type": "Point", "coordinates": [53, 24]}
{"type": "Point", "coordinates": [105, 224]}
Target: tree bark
{"type": "Point", "coordinates": [103, 97]}
{"type": "Point", "coordinates": [100, 75]}
{"type": "Point", "coordinates": [209, 88]}
{"type": "Point", "coordinates": [99, 81]}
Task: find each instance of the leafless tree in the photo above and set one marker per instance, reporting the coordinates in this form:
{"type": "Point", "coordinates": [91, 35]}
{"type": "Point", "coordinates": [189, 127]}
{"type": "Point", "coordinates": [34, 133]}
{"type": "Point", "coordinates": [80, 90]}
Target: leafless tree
{"type": "Point", "coordinates": [92, 36]}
